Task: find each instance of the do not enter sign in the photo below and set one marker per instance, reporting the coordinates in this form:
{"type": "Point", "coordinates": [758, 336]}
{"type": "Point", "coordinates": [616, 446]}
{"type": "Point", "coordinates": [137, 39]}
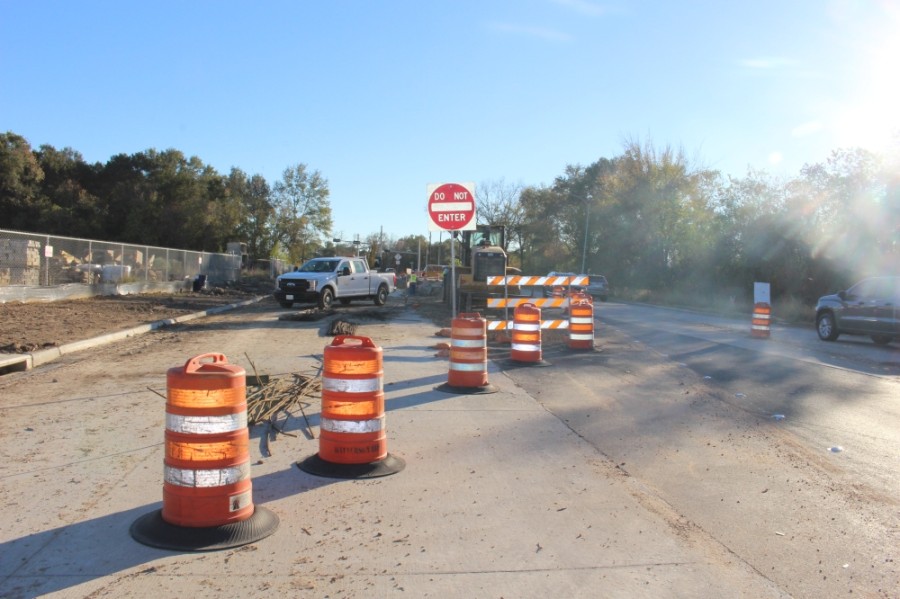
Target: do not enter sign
{"type": "Point", "coordinates": [451, 207]}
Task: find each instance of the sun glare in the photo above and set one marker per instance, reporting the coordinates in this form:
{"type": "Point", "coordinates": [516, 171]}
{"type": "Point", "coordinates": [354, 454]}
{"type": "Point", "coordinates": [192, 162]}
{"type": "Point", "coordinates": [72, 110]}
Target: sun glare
{"type": "Point", "coordinates": [871, 117]}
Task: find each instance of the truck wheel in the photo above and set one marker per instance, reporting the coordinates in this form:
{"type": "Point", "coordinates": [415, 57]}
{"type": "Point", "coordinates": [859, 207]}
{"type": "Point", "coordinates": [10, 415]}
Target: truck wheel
{"type": "Point", "coordinates": [285, 303]}
{"type": "Point", "coordinates": [381, 296]}
{"type": "Point", "coordinates": [326, 299]}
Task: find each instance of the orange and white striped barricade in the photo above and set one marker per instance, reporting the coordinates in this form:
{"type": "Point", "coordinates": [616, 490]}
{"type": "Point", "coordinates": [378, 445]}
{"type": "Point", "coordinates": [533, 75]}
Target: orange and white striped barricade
{"type": "Point", "coordinates": [352, 434]}
{"type": "Point", "coordinates": [207, 492]}
{"type": "Point", "coordinates": [468, 356]}
{"type": "Point", "coordinates": [526, 335]}
{"type": "Point", "coordinates": [759, 326]}
{"type": "Point", "coordinates": [581, 321]}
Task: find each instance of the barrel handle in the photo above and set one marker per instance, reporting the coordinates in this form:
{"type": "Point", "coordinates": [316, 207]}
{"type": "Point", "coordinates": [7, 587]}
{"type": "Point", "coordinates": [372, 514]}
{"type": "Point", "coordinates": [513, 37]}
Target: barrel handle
{"type": "Point", "coordinates": [193, 365]}
{"type": "Point", "coordinates": [363, 341]}
{"type": "Point", "coordinates": [471, 315]}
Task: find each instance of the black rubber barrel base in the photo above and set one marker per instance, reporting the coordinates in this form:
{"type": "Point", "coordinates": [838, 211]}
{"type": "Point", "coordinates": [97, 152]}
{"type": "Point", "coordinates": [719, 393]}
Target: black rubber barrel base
{"type": "Point", "coordinates": [483, 390]}
{"type": "Point", "coordinates": [150, 529]}
{"type": "Point", "coordinates": [319, 467]}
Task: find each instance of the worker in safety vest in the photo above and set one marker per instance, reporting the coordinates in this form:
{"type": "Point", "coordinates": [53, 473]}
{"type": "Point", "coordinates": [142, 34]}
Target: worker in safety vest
{"type": "Point", "coordinates": [413, 279]}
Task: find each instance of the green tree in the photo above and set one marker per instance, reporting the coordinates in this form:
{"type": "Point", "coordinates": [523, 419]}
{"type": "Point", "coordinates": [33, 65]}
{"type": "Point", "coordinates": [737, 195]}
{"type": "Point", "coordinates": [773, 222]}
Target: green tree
{"type": "Point", "coordinates": [72, 209]}
{"type": "Point", "coordinates": [540, 234]}
{"type": "Point", "coordinates": [302, 212]}
{"type": "Point", "coordinates": [21, 202]}
{"type": "Point", "coordinates": [257, 215]}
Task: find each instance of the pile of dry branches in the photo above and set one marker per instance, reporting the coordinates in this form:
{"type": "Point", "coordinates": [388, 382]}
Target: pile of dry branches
{"type": "Point", "coordinates": [267, 400]}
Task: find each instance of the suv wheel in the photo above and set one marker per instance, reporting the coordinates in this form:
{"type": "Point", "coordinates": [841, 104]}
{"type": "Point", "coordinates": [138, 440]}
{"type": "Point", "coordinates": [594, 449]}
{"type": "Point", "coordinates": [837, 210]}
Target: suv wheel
{"type": "Point", "coordinates": [826, 327]}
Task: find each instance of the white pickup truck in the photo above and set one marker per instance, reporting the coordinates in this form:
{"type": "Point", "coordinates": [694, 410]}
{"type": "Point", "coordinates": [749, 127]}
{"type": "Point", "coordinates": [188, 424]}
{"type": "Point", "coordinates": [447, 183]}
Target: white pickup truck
{"type": "Point", "coordinates": [323, 280]}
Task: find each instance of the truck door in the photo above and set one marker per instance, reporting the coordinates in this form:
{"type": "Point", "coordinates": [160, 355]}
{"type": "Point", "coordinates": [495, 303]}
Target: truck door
{"type": "Point", "coordinates": [360, 277]}
{"type": "Point", "coordinates": [345, 279]}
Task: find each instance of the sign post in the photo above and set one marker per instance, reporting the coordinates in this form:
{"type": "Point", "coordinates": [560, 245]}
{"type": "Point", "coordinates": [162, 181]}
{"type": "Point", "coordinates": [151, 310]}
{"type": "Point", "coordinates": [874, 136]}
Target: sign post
{"type": "Point", "coordinates": [451, 207]}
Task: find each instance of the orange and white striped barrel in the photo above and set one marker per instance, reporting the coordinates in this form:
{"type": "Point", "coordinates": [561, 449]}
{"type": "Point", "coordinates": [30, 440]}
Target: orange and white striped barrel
{"type": "Point", "coordinates": [581, 322]}
{"type": "Point", "coordinates": [352, 420]}
{"type": "Point", "coordinates": [207, 444]}
{"type": "Point", "coordinates": [468, 351]}
{"type": "Point", "coordinates": [526, 335]}
{"type": "Point", "coordinates": [759, 327]}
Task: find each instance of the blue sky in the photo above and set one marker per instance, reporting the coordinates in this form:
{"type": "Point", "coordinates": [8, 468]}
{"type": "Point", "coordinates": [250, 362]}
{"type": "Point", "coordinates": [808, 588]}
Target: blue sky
{"type": "Point", "coordinates": [385, 97]}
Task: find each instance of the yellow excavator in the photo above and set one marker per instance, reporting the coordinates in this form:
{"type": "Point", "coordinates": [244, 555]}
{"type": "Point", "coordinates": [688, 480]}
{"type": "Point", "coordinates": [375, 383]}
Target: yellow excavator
{"type": "Point", "coordinates": [482, 256]}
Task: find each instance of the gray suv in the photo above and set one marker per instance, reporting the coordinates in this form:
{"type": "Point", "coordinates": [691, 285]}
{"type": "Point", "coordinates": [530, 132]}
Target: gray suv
{"type": "Point", "coordinates": [871, 307]}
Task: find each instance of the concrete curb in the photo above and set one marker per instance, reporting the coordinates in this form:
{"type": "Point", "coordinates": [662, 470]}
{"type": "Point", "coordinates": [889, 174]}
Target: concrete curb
{"type": "Point", "coordinates": [21, 362]}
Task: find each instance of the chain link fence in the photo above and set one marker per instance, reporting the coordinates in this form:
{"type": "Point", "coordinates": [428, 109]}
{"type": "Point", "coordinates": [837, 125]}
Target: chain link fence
{"type": "Point", "coordinates": [33, 260]}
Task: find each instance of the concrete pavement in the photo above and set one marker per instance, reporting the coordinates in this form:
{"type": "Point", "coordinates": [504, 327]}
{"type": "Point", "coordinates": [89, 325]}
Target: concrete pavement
{"type": "Point", "coordinates": [499, 498]}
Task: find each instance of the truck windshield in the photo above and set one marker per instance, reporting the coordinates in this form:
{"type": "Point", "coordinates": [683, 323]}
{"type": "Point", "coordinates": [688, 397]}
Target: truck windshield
{"type": "Point", "coordinates": [319, 266]}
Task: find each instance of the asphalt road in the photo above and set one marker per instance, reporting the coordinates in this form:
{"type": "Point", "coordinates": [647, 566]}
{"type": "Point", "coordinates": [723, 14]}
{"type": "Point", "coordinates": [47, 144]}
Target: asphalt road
{"type": "Point", "coordinates": [786, 450]}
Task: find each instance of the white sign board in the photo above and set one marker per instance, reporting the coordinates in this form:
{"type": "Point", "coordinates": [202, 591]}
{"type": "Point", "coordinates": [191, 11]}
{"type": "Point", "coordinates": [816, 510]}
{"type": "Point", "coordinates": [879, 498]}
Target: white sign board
{"type": "Point", "coordinates": [761, 293]}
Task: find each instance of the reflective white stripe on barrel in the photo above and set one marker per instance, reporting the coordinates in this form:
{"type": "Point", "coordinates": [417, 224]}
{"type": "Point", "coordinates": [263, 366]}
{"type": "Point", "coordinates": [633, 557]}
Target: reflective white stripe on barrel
{"type": "Point", "coordinates": [468, 366]}
{"type": "Point", "coordinates": [352, 426]}
{"type": "Point", "coordinates": [467, 342]}
{"type": "Point", "coordinates": [206, 425]}
{"type": "Point", "coordinates": [370, 385]}
{"type": "Point", "coordinates": [217, 477]}
{"type": "Point", "coordinates": [525, 347]}
{"type": "Point", "coordinates": [521, 326]}
{"type": "Point", "coordinates": [581, 320]}
{"type": "Point", "coordinates": [580, 336]}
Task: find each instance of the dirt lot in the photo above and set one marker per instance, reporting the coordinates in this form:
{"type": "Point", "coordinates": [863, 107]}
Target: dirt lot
{"type": "Point", "coordinates": [31, 326]}
{"type": "Point", "coordinates": [26, 327]}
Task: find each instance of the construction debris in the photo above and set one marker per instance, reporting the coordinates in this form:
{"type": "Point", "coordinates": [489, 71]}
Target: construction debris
{"type": "Point", "coordinates": [342, 327]}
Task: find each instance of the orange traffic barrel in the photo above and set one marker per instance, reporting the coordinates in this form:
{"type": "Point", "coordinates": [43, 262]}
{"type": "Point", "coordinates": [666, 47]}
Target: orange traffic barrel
{"type": "Point", "coordinates": [526, 335]}
{"type": "Point", "coordinates": [352, 435]}
{"type": "Point", "coordinates": [759, 327]}
{"type": "Point", "coordinates": [581, 321]}
{"type": "Point", "coordinates": [468, 356]}
{"type": "Point", "coordinates": [206, 468]}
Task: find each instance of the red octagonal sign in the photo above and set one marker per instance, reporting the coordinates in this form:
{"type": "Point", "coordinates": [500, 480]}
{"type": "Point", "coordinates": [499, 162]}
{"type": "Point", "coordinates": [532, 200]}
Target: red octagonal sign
{"type": "Point", "coordinates": [451, 207]}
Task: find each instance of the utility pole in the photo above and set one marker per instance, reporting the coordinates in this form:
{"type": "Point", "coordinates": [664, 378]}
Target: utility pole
{"type": "Point", "coordinates": [587, 220]}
